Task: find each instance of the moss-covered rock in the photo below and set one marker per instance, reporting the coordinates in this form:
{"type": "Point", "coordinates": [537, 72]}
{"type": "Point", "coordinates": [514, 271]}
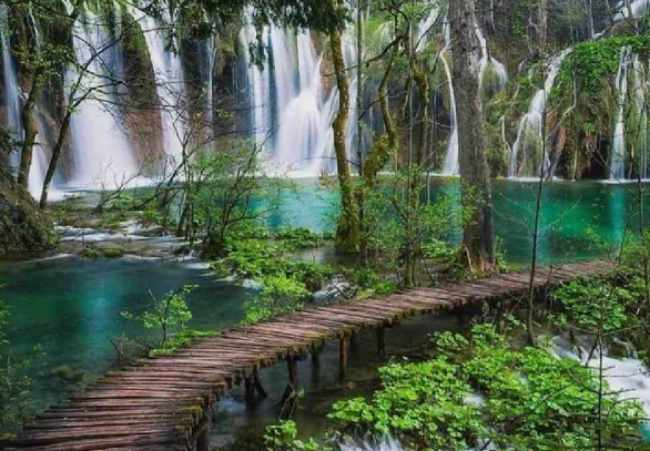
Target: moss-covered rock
{"type": "Point", "coordinates": [24, 229]}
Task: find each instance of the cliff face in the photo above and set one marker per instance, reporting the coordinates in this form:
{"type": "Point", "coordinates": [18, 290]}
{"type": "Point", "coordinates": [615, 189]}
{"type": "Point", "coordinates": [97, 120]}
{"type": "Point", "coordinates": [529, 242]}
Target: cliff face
{"type": "Point", "coordinates": [24, 229]}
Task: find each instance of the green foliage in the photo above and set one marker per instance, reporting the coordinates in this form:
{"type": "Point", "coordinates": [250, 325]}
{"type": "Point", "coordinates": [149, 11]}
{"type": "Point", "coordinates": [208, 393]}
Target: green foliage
{"type": "Point", "coordinates": [280, 294]}
{"type": "Point", "coordinates": [370, 283]}
{"type": "Point", "coordinates": [400, 222]}
{"type": "Point", "coordinates": [179, 341]}
{"type": "Point", "coordinates": [299, 238]}
{"type": "Point", "coordinates": [15, 385]}
{"type": "Point", "coordinates": [592, 62]}
{"type": "Point", "coordinates": [588, 304]}
{"type": "Point", "coordinates": [529, 399]}
{"type": "Point", "coordinates": [284, 437]}
{"type": "Point", "coordinates": [166, 314]}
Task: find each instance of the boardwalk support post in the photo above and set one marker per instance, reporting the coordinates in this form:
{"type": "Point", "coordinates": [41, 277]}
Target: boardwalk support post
{"type": "Point", "coordinates": [343, 358]}
{"type": "Point", "coordinates": [381, 342]}
{"type": "Point", "coordinates": [203, 436]}
{"type": "Point", "coordinates": [258, 384]}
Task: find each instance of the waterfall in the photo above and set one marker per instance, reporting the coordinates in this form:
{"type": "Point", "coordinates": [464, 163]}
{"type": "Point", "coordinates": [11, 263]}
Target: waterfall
{"type": "Point", "coordinates": [292, 110]}
{"type": "Point", "coordinates": [169, 77]}
{"type": "Point", "coordinates": [617, 155]}
{"type": "Point", "coordinates": [529, 134]}
{"type": "Point", "coordinates": [638, 7]}
{"type": "Point", "coordinates": [101, 152]}
{"type": "Point", "coordinates": [640, 87]}
{"type": "Point", "coordinates": [451, 166]}
{"type": "Point", "coordinates": [11, 88]}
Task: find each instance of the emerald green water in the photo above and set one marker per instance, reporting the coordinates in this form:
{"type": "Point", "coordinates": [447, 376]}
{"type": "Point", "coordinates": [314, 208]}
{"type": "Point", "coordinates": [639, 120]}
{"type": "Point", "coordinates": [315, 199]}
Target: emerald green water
{"type": "Point", "coordinates": [71, 307]}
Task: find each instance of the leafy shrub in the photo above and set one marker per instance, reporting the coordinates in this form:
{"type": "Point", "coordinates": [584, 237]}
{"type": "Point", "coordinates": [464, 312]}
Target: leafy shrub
{"type": "Point", "coordinates": [280, 294]}
{"type": "Point", "coordinates": [284, 437]}
{"type": "Point", "coordinates": [166, 314]}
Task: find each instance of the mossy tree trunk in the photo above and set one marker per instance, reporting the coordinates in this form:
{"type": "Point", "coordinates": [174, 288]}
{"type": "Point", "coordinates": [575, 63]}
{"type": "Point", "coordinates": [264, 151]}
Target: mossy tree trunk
{"type": "Point", "coordinates": [476, 191]}
{"type": "Point", "coordinates": [348, 229]}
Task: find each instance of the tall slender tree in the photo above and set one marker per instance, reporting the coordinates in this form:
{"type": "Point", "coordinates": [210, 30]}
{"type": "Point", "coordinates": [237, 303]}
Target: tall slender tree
{"type": "Point", "coordinates": [476, 191]}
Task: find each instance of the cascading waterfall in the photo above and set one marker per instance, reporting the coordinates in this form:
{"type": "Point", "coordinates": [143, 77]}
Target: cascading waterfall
{"type": "Point", "coordinates": [102, 154]}
{"type": "Point", "coordinates": [11, 88]}
{"type": "Point", "coordinates": [292, 112]}
{"type": "Point", "coordinates": [170, 79]}
{"type": "Point", "coordinates": [528, 146]}
{"type": "Point", "coordinates": [617, 155]}
{"type": "Point", "coordinates": [387, 444]}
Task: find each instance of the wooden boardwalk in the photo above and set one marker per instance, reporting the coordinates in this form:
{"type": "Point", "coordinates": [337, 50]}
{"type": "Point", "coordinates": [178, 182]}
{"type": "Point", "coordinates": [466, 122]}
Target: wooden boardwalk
{"type": "Point", "coordinates": [164, 403]}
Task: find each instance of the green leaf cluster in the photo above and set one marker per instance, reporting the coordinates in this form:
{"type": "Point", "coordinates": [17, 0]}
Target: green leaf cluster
{"type": "Point", "coordinates": [479, 390]}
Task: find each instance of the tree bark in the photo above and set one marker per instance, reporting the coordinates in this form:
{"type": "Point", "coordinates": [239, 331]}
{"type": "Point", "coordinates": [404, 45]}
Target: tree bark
{"type": "Point", "coordinates": [57, 150]}
{"type": "Point", "coordinates": [476, 191]}
{"type": "Point", "coordinates": [30, 131]}
{"type": "Point", "coordinates": [347, 230]}
{"type": "Point", "coordinates": [542, 26]}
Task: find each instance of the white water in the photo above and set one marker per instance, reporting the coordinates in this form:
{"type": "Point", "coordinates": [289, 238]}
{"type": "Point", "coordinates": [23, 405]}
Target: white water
{"type": "Point", "coordinates": [102, 155]}
{"type": "Point", "coordinates": [639, 8]}
{"type": "Point", "coordinates": [627, 376]}
{"type": "Point", "coordinates": [617, 157]}
{"type": "Point", "coordinates": [169, 77]}
{"type": "Point", "coordinates": [387, 444]}
{"type": "Point", "coordinates": [292, 110]}
{"type": "Point", "coordinates": [487, 63]}
{"type": "Point", "coordinates": [11, 88]}
{"type": "Point", "coordinates": [640, 86]}
{"type": "Point", "coordinates": [529, 133]}
{"type": "Point", "coordinates": [451, 166]}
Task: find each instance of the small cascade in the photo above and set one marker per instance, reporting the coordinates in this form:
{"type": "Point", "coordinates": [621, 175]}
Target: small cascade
{"type": "Point", "coordinates": [617, 154]}
{"type": "Point", "coordinates": [169, 78]}
{"type": "Point", "coordinates": [492, 74]}
{"type": "Point", "coordinates": [101, 153]}
{"type": "Point", "coordinates": [527, 149]}
{"type": "Point", "coordinates": [11, 87]}
{"type": "Point", "coordinates": [626, 376]}
{"type": "Point", "coordinates": [451, 166]}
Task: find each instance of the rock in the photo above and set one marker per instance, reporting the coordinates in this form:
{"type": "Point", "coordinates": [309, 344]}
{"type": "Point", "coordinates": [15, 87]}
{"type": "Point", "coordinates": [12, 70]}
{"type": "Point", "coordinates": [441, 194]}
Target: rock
{"type": "Point", "coordinates": [24, 228]}
{"type": "Point", "coordinates": [67, 373]}
{"type": "Point", "coordinates": [336, 289]}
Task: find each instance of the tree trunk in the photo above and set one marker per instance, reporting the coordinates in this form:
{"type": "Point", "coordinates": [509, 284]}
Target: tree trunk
{"type": "Point", "coordinates": [30, 131]}
{"type": "Point", "coordinates": [57, 150]}
{"type": "Point", "coordinates": [590, 18]}
{"type": "Point", "coordinates": [476, 192]}
{"type": "Point", "coordinates": [542, 26]}
{"type": "Point", "coordinates": [347, 230]}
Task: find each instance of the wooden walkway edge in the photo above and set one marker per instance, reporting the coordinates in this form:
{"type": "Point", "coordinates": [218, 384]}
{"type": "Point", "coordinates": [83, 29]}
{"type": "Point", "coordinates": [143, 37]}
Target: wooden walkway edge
{"type": "Point", "coordinates": [164, 403]}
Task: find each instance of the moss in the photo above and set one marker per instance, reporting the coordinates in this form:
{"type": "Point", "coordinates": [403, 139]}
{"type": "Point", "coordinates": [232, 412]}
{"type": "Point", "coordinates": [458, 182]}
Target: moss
{"type": "Point", "coordinates": [24, 229]}
{"type": "Point", "coordinates": [105, 251]}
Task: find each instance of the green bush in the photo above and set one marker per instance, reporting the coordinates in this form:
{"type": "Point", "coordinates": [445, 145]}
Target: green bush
{"type": "Point", "coordinates": [280, 294]}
